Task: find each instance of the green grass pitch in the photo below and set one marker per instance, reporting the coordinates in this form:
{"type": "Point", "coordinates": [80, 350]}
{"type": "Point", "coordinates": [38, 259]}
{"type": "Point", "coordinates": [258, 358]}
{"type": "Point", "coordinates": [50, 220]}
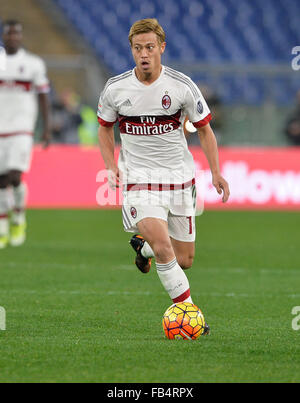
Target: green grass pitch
{"type": "Point", "coordinates": [79, 311]}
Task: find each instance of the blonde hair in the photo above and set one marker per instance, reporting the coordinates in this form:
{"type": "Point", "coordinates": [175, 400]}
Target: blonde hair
{"type": "Point", "coordinates": [145, 26]}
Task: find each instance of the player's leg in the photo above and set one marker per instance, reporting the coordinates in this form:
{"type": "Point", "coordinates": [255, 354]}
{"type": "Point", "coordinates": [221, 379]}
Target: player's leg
{"type": "Point", "coordinates": [182, 235]}
{"type": "Point", "coordinates": [155, 232]}
{"type": "Point", "coordinates": [172, 277]}
{"type": "Point", "coordinates": [18, 220]}
{"type": "Point", "coordinates": [184, 252]}
{"type": "Point", "coordinates": [4, 193]}
{"type": "Point", "coordinates": [182, 232]}
{"type": "Point", "coordinates": [19, 162]}
{"type": "Point", "coordinates": [4, 210]}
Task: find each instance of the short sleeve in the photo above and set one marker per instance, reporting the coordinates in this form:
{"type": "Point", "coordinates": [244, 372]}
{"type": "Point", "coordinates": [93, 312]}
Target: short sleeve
{"type": "Point", "coordinates": [107, 114]}
{"type": "Point", "coordinates": [195, 106]}
{"type": "Point", "coordinates": [40, 78]}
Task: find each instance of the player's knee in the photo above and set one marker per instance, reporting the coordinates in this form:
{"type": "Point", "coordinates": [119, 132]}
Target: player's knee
{"type": "Point", "coordinates": [186, 262]}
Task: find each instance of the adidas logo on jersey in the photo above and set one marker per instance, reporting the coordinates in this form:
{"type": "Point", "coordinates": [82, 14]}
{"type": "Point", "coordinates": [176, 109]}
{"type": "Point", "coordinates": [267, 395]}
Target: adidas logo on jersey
{"type": "Point", "coordinates": [126, 103]}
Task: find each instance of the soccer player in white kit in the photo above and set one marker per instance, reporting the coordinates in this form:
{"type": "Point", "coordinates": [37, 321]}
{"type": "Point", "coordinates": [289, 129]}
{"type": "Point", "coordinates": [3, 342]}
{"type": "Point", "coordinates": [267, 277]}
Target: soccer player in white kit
{"type": "Point", "coordinates": [156, 169]}
{"type": "Point", "coordinates": [22, 80]}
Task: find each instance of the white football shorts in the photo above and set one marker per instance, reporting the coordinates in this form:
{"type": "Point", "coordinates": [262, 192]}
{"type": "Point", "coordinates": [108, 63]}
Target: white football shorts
{"type": "Point", "coordinates": [180, 218]}
{"type": "Point", "coordinates": [15, 153]}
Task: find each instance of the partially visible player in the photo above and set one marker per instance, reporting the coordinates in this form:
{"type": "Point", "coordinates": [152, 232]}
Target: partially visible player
{"type": "Point", "coordinates": [23, 81]}
{"type": "Point", "coordinates": [155, 166]}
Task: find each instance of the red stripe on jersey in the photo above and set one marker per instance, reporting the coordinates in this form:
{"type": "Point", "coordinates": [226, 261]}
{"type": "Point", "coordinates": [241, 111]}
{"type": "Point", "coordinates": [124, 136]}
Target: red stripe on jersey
{"type": "Point", "coordinates": [203, 122]}
{"type": "Point", "coordinates": [15, 134]}
{"type": "Point", "coordinates": [25, 85]}
{"type": "Point", "coordinates": [105, 123]}
{"type": "Point", "coordinates": [149, 125]}
{"type": "Point", "coordinates": [3, 216]}
{"type": "Point", "coordinates": [182, 297]}
{"type": "Point", "coordinates": [159, 186]}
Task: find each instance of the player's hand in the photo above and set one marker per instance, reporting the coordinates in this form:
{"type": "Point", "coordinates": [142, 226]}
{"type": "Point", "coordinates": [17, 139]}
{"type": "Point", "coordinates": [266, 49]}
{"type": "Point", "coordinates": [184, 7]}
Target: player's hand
{"type": "Point", "coordinates": [114, 178]}
{"type": "Point", "coordinates": [46, 139]}
{"type": "Point", "coordinates": [221, 186]}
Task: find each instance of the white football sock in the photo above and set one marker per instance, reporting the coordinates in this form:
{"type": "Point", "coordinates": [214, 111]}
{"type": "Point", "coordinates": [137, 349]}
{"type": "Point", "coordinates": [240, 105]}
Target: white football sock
{"type": "Point", "coordinates": [147, 251]}
{"type": "Point", "coordinates": [174, 281]}
{"type": "Point", "coordinates": [20, 194]}
{"type": "Point", "coordinates": [4, 226]}
{"type": "Point", "coordinates": [4, 210]}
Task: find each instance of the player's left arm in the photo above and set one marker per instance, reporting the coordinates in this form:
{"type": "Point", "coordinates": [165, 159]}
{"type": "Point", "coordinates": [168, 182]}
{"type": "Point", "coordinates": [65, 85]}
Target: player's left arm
{"type": "Point", "coordinates": [210, 148]}
{"type": "Point", "coordinates": [45, 112]}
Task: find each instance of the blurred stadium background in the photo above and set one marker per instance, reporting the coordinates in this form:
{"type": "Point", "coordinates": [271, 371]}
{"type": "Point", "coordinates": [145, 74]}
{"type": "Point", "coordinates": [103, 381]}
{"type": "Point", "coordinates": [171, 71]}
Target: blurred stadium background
{"type": "Point", "coordinates": [239, 53]}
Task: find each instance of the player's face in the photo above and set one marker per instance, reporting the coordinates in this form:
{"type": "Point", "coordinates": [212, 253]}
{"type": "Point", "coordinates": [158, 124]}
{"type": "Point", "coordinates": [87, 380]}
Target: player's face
{"type": "Point", "coordinates": [147, 51]}
{"type": "Point", "coordinates": [12, 38]}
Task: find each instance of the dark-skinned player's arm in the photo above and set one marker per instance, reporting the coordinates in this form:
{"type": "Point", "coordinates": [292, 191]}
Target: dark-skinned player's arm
{"type": "Point", "coordinates": [210, 148]}
{"type": "Point", "coordinates": [107, 148]}
{"type": "Point", "coordinates": [45, 112]}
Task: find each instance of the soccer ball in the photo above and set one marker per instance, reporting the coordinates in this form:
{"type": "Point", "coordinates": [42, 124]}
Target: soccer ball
{"type": "Point", "coordinates": [183, 321]}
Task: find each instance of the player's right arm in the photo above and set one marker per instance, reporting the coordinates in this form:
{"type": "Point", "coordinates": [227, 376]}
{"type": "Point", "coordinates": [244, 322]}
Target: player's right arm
{"type": "Point", "coordinates": [107, 116]}
{"type": "Point", "coordinates": [107, 148]}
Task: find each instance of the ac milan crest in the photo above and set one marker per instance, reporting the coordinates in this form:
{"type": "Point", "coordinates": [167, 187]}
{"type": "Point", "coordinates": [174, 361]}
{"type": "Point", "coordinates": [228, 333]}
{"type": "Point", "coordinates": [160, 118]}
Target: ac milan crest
{"type": "Point", "coordinates": [133, 212]}
{"type": "Point", "coordinates": [200, 107]}
{"type": "Point", "coordinates": [166, 102]}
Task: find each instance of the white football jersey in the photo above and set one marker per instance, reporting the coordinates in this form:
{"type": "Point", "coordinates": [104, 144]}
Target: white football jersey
{"type": "Point", "coordinates": [22, 76]}
{"type": "Point", "coordinates": [154, 148]}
